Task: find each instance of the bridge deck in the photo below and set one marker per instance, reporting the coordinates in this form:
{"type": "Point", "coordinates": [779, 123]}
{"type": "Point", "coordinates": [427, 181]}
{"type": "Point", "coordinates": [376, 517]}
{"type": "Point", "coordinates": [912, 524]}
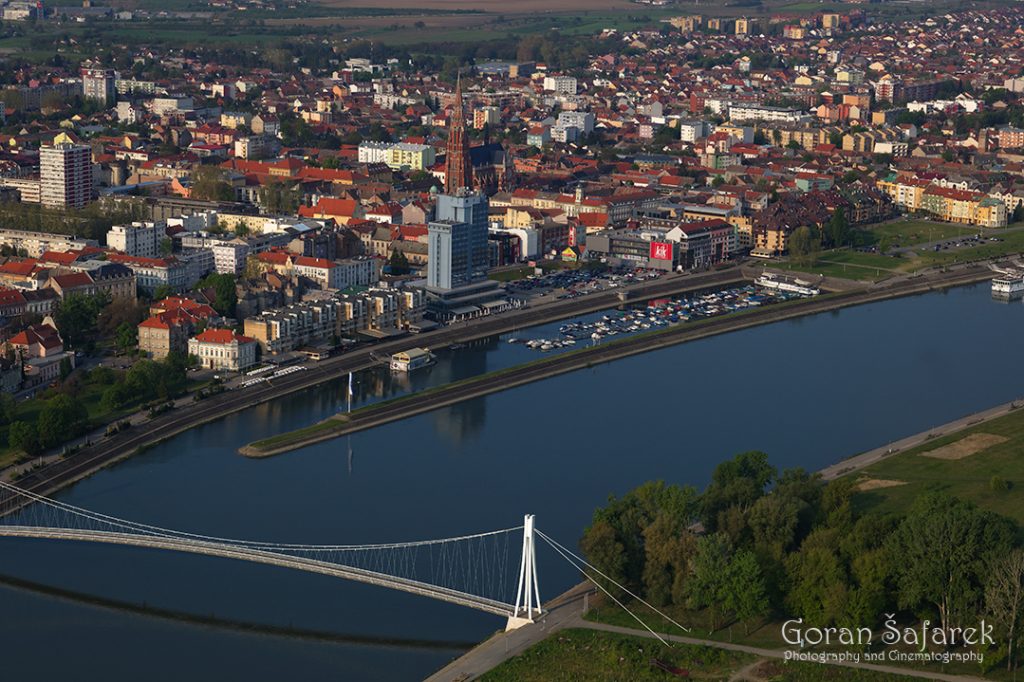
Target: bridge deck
{"type": "Point", "coordinates": [261, 556]}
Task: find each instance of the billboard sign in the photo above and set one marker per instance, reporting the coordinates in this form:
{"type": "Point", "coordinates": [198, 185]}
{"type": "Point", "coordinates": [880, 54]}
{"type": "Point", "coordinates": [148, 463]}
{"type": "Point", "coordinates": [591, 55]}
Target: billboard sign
{"type": "Point", "coordinates": [661, 251]}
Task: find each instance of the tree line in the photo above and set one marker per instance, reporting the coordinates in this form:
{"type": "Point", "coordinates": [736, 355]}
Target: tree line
{"type": "Point", "coordinates": [758, 544]}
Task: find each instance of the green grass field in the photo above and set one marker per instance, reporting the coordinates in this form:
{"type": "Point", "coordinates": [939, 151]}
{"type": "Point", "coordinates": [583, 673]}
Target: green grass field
{"type": "Point", "coordinates": [604, 656]}
{"type": "Point", "coordinates": [910, 232]}
{"type": "Point", "coordinates": [579, 654]}
{"type": "Point", "coordinates": [969, 478]}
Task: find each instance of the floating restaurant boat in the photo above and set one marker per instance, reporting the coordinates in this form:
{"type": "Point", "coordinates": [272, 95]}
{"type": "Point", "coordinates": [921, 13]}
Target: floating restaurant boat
{"type": "Point", "coordinates": [771, 280]}
{"type": "Point", "coordinates": [1008, 286]}
{"type": "Point", "coordinates": [412, 359]}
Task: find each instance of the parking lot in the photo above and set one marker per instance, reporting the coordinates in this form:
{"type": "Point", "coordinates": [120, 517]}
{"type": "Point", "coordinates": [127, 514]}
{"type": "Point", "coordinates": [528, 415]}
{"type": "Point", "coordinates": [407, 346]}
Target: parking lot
{"type": "Point", "coordinates": [565, 284]}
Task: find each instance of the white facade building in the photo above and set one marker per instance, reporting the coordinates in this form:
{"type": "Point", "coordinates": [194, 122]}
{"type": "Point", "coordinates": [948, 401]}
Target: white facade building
{"type": "Point", "coordinates": [223, 349]}
{"type": "Point", "coordinates": [137, 239]}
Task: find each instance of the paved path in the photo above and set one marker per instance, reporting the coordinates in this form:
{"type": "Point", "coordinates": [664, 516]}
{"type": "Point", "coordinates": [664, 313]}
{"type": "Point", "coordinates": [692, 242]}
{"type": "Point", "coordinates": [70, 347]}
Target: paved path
{"type": "Point", "coordinates": [871, 456]}
{"type": "Point", "coordinates": [776, 653]}
{"type": "Point", "coordinates": [567, 612]}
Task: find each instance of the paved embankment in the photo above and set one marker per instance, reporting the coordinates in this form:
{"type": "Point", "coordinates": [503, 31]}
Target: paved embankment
{"type": "Point", "coordinates": [868, 458]}
{"type": "Point", "coordinates": [418, 403]}
{"type": "Point", "coordinates": [60, 473]}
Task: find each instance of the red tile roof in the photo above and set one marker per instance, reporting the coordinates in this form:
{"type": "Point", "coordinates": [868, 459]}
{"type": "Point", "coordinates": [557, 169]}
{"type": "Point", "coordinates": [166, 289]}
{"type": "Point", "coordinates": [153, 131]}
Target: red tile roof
{"type": "Point", "coordinates": [222, 336]}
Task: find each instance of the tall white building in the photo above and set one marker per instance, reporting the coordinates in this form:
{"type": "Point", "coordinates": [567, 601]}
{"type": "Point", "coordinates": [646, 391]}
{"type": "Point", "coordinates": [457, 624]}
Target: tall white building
{"type": "Point", "coordinates": [65, 175]}
{"type": "Point", "coordinates": [138, 239]}
{"type": "Point", "coordinates": [564, 84]}
{"type": "Point", "coordinates": [98, 86]}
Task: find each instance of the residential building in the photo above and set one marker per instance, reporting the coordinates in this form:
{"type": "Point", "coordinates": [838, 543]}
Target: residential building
{"type": "Point", "coordinates": [141, 239]}
{"type": "Point", "coordinates": [65, 174]}
{"type": "Point", "coordinates": [98, 86]}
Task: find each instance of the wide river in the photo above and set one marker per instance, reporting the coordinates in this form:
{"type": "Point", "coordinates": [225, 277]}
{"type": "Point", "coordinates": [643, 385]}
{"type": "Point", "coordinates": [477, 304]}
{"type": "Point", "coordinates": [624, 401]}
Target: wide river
{"type": "Point", "coordinates": [808, 392]}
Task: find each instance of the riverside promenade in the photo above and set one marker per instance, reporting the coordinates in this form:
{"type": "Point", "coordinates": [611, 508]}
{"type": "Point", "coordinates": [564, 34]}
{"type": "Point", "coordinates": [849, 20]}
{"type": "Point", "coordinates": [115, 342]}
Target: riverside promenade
{"type": "Point", "coordinates": [426, 401]}
{"type": "Point", "coordinates": [99, 451]}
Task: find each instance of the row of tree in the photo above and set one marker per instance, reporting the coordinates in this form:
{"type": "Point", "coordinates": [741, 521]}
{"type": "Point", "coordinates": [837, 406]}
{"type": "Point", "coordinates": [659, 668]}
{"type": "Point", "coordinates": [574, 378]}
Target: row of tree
{"type": "Point", "coordinates": [757, 544]}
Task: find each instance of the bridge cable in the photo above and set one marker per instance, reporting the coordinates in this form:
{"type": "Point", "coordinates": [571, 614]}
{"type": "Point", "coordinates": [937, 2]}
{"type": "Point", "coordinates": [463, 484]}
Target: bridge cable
{"type": "Point", "coordinates": [559, 546]}
{"type": "Point", "coordinates": [253, 544]}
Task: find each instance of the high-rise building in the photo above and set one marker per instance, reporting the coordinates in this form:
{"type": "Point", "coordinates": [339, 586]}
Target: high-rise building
{"type": "Point", "coordinates": [458, 169]}
{"type": "Point", "coordinates": [98, 85]}
{"type": "Point", "coordinates": [457, 241]}
{"type": "Point", "coordinates": [65, 175]}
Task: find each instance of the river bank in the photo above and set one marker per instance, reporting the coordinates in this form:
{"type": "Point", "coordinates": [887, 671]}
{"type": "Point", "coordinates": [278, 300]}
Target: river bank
{"type": "Point", "coordinates": [419, 403]}
{"type": "Point", "coordinates": [568, 610]}
{"type": "Point", "coordinates": [58, 472]}
{"type": "Point", "coordinates": [555, 449]}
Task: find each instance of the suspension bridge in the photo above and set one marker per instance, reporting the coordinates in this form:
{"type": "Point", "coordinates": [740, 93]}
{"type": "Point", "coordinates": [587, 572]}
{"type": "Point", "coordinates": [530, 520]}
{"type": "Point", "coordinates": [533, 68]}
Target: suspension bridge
{"type": "Point", "coordinates": [476, 571]}
{"type": "Point", "coordinates": [469, 570]}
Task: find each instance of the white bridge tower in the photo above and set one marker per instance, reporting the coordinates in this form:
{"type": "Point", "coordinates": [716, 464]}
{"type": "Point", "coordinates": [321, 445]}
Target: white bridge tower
{"type": "Point", "coordinates": [527, 595]}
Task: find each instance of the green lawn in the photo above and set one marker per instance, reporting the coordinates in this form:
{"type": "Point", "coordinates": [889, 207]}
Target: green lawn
{"type": "Point", "coordinates": [969, 478]}
{"type": "Point", "coordinates": [579, 654]}
{"type": "Point", "coordinates": [909, 232]}
{"type": "Point", "coordinates": [1012, 244]}
{"type": "Point", "coordinates": [847, 264]}
{"type": "Point", "coordinates": [511, 275]}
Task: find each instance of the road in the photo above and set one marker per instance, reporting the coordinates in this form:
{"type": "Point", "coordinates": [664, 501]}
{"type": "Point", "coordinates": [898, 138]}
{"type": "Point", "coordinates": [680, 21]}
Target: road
{"type": "Point", "coordinates": [58, 472]}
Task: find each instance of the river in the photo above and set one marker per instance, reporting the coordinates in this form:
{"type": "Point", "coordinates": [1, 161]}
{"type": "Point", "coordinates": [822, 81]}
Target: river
{"type": "Point", "coordinates": [807, 391]}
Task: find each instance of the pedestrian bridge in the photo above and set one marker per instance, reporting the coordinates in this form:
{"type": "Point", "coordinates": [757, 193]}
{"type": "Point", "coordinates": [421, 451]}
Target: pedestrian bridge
{"type": "Point", "coordinates": [470, 570]}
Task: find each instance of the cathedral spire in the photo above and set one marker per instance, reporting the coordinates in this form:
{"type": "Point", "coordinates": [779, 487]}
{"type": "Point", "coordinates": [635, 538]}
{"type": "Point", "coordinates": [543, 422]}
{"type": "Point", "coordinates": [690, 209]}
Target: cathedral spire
{"type": "Point", "coordinates": [458, 169]}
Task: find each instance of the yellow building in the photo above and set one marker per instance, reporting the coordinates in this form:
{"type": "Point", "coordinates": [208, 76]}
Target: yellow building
{"type": "Point", "coordinates": [406, 156]}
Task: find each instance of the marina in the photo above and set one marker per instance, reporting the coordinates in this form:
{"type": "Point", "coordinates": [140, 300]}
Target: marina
{"type": "Point", "coordinates": [658, 313]}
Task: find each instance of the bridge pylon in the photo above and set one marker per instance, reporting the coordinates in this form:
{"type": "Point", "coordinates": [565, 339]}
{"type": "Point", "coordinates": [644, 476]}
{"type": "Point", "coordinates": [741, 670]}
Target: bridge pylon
{"type": "Point", "coordinates": [528, 594]}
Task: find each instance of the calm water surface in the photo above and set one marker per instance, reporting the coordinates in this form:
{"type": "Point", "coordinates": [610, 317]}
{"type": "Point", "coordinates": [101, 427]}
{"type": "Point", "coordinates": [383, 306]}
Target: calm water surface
{"type": "Point", "coordinates": [808, 392]}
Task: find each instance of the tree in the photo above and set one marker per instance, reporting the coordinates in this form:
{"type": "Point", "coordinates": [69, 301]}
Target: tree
{"type": "Point", "coordinates": [208, 184]}
{"type": "Point", "coordinates": [738, 482]}
{"type": "Point", "coordinates": [8, 408]}
{"type": "Point", "coordinates": [838, 229]}
{"type": "Point", "coordinates": [166, 246]}
{"type": "Point", "coordinates": [603, 549]}
{"type": "Point", "coordinates": [226, 293]}
{"type": "Point", "coordinates": [61, 418]}
{"type": "Point", "coordinates": [1018, 213]}
{"type": "Point", "coordinates": [667, 551]}
{"type": "Point", "coordinates": [77, 316]}
{"type": "Point", "coordinates": [279, 197]}
{"type": "Point", "coordinates": [746, 594]}
{"type": "Point", "coordinates": [941, 551]}
{"type": "Point", "coordinates": [1004, 600]}
{"type": "Point", "coordinates": [707, 585]}
{"type": "Point", "coordinates": [804, 245]}
{"type": "Point", "coordinates": [398, 263]}
{"type": "Point", "coordinates": [22, 436]}
{"type": "Point", "coordinates": [127, 336]}
{"type": "Point", "coordinates": [161, 292]}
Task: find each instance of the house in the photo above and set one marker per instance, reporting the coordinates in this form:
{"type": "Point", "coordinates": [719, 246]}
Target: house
{"type": "Point", "coordinates": [223, 349]}
{"type": "Point", "coordinates": [42, 352]}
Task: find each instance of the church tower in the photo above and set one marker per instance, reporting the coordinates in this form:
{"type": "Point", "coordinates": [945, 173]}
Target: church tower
{"type": "Point", "coordinates": [458, 169]}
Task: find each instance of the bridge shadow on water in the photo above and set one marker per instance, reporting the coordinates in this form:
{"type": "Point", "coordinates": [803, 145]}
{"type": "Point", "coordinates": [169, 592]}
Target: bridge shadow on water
{"type": "Point", "coordinates": [227, 624]}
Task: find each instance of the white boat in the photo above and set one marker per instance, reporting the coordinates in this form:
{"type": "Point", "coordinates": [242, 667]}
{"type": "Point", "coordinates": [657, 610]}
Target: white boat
{"type": "Point", "coordinates": [1008, 286]}
{"type": "Point", "coordinates": [412, 359]}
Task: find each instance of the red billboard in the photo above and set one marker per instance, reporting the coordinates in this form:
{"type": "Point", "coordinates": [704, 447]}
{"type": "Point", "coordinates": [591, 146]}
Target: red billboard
{"type": "Point", "coordinates": [661, 251]}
